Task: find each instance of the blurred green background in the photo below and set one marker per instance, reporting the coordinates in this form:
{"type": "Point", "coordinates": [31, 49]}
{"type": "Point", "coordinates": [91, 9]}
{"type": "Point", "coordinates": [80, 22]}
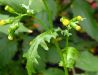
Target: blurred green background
{"type": "Point", "coordinates": [85, 40]}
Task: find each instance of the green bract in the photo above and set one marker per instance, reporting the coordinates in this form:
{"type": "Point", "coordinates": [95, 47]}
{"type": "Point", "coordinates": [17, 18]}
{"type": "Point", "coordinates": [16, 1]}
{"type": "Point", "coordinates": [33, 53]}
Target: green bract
{"type": "Point", "coordinates": [11, 30]}
{"type": "Point", "coordinates": [72, 55]}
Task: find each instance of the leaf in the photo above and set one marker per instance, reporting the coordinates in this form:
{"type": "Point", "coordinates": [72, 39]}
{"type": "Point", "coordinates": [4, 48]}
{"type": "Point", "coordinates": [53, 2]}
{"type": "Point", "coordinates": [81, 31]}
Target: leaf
{"type": "Point", "coordinates": [52, 56]}
{"type": "Point", "coordinates": [36, 5]}
{"type": "Point", "coordinates": [72, 55]}
{"type": "Point", "coordinates": [44, 22]}
{"type": "Point", "coordinates": [42, 53]}
{"type": "Point", "coordinates": [87, 62]}
{"type": "Point", "coordinates": [52, 7]}
{"type": "Point", "coordinates": [81, 74]}
{"type": "Point", "coordinates": [44, 16]}
{"type": "Point", "coordinates": [32, 53]}
{"type": "Point", "coordinates": [26, 42]}
{"type": "Point", "coordinates": [87, 73]}
{"type": "Point", "coordinates": [81, 7]}
{"type": "Point", "coordinates": [15, 4]}
{"type": "Point", "coordinates": [7, 50]}
{"type": "Point", "coordinates": [17, 70]}
{"type": "Point", "coordinates": [22, 28]}
{"type": "Point", "coordinates": [42, 61]}
{"type": "Point", "coordinates": [53, 71]}
{"type": "Point", "coordinates": [2, 16]}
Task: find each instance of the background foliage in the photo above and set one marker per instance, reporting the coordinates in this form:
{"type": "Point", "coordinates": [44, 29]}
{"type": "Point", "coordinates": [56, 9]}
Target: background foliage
{"type": "Point", "coordinates": [12, 51]}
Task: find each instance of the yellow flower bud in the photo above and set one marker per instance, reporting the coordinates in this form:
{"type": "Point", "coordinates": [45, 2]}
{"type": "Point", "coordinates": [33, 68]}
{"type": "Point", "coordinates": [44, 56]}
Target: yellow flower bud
{"type": "Point", "coordinates": [60, 63]}
{"type": "Point", "coordinates": [78, 28]}
{"type": "Point", "coordinates": [79, 18]}
{"type": "Point", "coordinates": [10, 37]}
{"type": "Point", "coordinates": [30, 43]}
{"type": "Point", "coordinates": [93, 50]}
{"type": "Point", "coordinates": [2, 22]}
{"type": "Point", "coordinates": [65, 22]}
{"type": "Point", "coordinates": [9, 9]}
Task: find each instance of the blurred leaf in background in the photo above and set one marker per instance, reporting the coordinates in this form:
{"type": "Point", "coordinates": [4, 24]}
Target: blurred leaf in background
{"type": "Point", "coordinates": [81, 7]}
{"type": "Point", "coordinates": [7, 50]}
{"type": "Point", "coordinates": [87, 62]}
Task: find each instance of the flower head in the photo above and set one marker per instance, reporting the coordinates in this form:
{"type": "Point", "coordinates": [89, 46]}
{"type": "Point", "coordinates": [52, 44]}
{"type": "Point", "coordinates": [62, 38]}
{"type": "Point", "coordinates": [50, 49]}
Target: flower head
{"type": "Point", "coordinates": [78, 28]}
{"type": "Point", "coordinates": [79, 18]}
{"type": "Point", "coordinates": [2, 22]}
{"type": "Point", "coordinates": [65, 21]}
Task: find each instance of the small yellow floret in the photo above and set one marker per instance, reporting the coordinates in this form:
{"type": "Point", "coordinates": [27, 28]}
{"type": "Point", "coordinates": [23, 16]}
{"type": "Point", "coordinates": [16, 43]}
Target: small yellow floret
{"type": "Point", "coordinates": [65, 22]}
{"type": "Point", "coordinates": [2, 22]}
{"type": "Point", "coordinates": [79, 18]}
{"type": "Point", "coordinates": [30, 42]}
{"type": "Point", "coordinates": [78, 28]}
{"type": "Point", "coordinates": [10, 37]}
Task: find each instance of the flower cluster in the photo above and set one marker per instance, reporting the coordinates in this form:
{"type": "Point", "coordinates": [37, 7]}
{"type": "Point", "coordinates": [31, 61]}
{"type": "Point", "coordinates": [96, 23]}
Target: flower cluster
{"type": "Point", "coordinates": [72, 23]}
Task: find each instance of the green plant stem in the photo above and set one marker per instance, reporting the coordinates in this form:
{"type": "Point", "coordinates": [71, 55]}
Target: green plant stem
{"type": "Point", "coordinates": [19, 16]}
{"type": "Point", "coordinates": [49, 14]}
{"type": "Point", "coordinates": [66, 46]}
{"type": "Point", "coordinates": [67, 38]}
{"type": "Point", "coordinates": [62, 57]}
{"type": "Point", "coordinates": [64, 64]}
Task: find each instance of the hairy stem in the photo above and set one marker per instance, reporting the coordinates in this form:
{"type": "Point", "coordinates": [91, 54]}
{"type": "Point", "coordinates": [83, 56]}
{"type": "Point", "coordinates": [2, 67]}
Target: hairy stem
{"type": "Point", "coordinates": [62, 57]}
{"type": "Point", "coordinates": [64, 64]}
{"type": "Point", "coordinates": [66, 46]}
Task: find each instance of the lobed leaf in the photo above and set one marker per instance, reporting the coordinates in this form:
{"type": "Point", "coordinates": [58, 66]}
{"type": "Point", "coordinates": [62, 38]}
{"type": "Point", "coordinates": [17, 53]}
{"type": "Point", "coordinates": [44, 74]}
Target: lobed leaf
{"type": "Point", "coordinates": [32, 54]}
